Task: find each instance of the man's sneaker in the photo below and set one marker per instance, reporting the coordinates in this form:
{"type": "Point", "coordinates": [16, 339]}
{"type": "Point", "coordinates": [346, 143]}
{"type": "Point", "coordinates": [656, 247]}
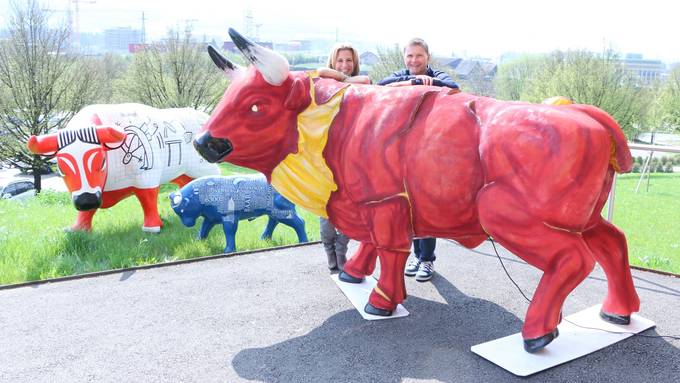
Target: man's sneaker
{"type": "Point", "coordinates": [412, 267]}
{"type": "Point", "coordinates": [425, 271]}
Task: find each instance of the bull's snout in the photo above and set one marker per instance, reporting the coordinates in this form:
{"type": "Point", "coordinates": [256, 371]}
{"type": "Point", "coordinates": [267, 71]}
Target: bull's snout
{"type": "Point", "coordinates": [87, 201]}
{"type": "Point", "coordinates": [211, 148]}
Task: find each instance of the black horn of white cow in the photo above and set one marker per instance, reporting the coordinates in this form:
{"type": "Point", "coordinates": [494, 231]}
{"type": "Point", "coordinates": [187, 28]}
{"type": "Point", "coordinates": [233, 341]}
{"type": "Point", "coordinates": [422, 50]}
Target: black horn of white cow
{"type": "Point", "coordinates": [87, 201]}
{"type": "Point", "coordinates": [273, 67]}
{"type": "Point", "coordinates": [221, 61]}
{"type": "Point", "coordinates": [211, 148]}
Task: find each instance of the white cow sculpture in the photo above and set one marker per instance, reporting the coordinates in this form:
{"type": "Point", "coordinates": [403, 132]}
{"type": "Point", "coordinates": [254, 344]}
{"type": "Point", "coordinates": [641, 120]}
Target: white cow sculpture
{"type": "Point", "coordinates": [109, 152]}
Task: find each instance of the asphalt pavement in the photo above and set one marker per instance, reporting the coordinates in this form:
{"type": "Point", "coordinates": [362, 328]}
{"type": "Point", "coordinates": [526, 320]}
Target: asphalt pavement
{"type": "Point", "coordinates": [276, 316]}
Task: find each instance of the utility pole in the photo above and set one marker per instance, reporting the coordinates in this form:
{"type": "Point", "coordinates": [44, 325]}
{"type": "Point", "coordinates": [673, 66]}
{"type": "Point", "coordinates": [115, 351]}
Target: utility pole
{"type": "Point", "coordinates": [77, 20]}
{"type": "Point", "coordinates": [143, 28]}
{"type": "Point", "coordinates": [249, 24]}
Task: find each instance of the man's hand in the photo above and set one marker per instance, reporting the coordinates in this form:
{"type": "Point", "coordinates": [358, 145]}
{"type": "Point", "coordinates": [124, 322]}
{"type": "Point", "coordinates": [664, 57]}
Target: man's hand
{"type": "Point", "coordinates": [425, 79]}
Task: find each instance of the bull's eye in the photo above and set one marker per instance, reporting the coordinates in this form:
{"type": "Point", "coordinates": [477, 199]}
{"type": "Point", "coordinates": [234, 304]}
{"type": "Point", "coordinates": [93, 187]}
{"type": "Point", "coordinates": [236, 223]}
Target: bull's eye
{"type": "Point", "coordinates": [254, 108]}
{"type": "Point", "coordinates": [176, 200]}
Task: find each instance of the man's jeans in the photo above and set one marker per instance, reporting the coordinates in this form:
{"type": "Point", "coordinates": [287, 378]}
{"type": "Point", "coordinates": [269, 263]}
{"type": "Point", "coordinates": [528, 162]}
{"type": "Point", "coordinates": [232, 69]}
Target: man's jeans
{"type": "Point", "coordinates": [424, 249]}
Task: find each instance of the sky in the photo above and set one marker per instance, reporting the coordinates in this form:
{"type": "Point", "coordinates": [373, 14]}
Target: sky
{"type": "Point", "coordinates": [470, 28]}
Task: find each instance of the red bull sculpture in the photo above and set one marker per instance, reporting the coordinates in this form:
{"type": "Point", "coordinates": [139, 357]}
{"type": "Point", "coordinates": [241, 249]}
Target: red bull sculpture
{"type": "Point", "coordinates": [534, 177]}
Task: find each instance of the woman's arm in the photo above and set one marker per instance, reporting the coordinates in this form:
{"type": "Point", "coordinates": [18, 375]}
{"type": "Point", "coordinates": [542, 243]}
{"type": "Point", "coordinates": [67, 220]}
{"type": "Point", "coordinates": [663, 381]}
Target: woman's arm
{"type": "Point", "coordinates": [339, 76]}
{"type": "Point", "coordinates": [358, 79]}
{"type": "Point", "coordinates": [331, 73]}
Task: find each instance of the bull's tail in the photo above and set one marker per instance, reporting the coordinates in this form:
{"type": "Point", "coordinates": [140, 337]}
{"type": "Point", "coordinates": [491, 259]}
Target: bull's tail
{"type": "Point", "coordinates": [620, 158]}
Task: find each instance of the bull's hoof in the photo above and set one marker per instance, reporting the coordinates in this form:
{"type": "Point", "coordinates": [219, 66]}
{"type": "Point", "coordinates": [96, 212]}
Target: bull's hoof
{"type": "Point", "coordinates": [343, 276]}
{"type": "Point", "coordinates": [615, 318]}
{"type": "Point", "coordinates": [151, 229]}
{"type": "Point", "coordinates": [534, 345]}
{"type": "Point", "coordinates": [370, 309]}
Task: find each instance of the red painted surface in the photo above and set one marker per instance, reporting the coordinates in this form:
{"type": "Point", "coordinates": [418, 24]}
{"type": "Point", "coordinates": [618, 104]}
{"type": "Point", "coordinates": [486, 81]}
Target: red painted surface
{"type": "Point", "coordinates": [418, 161]}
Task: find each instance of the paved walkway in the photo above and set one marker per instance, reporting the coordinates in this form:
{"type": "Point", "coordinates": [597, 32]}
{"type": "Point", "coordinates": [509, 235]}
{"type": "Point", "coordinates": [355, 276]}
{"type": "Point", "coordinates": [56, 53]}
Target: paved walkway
{"type": "Point", "coordinates": [49, 181]}
{"type": "Point", "coordinates": [276, 316]}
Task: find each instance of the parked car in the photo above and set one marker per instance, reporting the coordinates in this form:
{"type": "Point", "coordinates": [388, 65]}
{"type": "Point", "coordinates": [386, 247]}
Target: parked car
{"type": "Point", "coordinates": [18, 190]}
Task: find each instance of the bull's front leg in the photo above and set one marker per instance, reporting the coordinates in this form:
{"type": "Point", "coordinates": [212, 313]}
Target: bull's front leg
{"type": "Point", "coordinates": [230, 225]}
{"type": "Point", "coordinates": [390, 225]}
{"type": "Point", "coordinates": [84, 221]}
{"type": "Point", "coordinates": [206, 226]}
{"type": "Point", "coordinates": [148, 198]}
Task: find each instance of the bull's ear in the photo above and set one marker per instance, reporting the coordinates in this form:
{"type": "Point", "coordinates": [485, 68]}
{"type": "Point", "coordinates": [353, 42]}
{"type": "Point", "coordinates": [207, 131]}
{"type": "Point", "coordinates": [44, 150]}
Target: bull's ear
{"type": "Point", "coordinates": [298, 96]}
{"type": "Point", "coordinates": [45, 144]}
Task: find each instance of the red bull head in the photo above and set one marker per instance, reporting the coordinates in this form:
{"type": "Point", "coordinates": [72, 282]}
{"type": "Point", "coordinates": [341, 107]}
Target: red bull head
{"type": "Point", "coordinates": [81, 159]}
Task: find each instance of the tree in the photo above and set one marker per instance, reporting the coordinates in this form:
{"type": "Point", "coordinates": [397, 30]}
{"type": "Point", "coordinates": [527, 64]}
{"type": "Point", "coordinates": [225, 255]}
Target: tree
{"type": "Point", "coordinates": [113, 67]}
{"type": "Point", "coordinates": [476, 82]}
{"type": "Point", "coordinates": [585, 78]}
{"type": "Point", "coordinates": [42, 84]}
{"type": "Point", "coordinates": [666, 110]}
{"type": "Point", "coordinates": [390, 60]}
{"type": "Point", "coordinates": [176, 72]}
{"type": "Point", "coordinates": [513, 77]}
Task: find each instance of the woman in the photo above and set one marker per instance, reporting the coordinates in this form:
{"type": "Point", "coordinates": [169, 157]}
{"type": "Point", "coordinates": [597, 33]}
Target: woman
{"type": "Point", "coordinates": [343, 65]}
{"type": "Point", "coordinates": [419, 72]}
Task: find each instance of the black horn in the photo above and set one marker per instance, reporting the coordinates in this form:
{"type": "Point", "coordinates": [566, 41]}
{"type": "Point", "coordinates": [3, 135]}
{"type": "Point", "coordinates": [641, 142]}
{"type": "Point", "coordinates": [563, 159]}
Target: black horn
{"type": "Point", "coordinates": [272, 66]}
{"type": "Point", "coordinates": [221, 61]}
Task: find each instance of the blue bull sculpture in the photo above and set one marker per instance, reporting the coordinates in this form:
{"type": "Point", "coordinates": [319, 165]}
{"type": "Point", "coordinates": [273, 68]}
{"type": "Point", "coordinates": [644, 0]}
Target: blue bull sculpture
{"type": "Point", "coordinates": [227, 200]}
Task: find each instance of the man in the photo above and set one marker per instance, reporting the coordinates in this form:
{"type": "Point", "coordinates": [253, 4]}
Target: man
{"type": "Point", "coordinates": [418, 72]}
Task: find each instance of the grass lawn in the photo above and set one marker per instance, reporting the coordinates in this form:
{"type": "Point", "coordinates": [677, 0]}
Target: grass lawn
{"type": "Point", "coordinates": [34, 245]}
{"type": "Point", "coordinates": [650, 219]}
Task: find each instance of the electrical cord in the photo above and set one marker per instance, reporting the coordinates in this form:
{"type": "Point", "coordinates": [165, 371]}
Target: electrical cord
{"type": "Point", "coordinates": [493, 243]}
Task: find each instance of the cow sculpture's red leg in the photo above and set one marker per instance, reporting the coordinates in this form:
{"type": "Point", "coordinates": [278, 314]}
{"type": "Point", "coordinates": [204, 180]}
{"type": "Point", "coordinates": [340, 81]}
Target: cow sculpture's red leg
{"type": "Point", "coordinates": [84, 221]}
{"type": "Point", "coordinates": [391, 231]}
{"type": "Point", "coordinates": [361, 264]}
{"type": "Point", "coordinates": [148, 198]}
{"type": "Point", "coordinates": [562, 255]}
{"type": "Point", "coordinates": [608, 245]}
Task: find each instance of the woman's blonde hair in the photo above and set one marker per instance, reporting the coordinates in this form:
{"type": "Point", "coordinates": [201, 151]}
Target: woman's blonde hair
{"type": "Point", "coordinates": [334, 56]}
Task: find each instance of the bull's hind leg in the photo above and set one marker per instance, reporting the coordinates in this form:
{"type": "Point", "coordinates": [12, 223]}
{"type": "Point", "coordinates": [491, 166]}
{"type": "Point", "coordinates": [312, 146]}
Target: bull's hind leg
{"type": "Point", "coordinates": [297, 224]}
{"type": "Point", "coordinates": [608, 245]}
{"type": "Point", "coordinates": [563, 256]}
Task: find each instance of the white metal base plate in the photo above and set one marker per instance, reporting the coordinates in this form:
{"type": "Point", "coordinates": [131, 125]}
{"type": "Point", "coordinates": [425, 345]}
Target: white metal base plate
{"type": "Point", "coordinates": [358, 293]}
{"type": "Point", "coordinates": [573, 342]}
